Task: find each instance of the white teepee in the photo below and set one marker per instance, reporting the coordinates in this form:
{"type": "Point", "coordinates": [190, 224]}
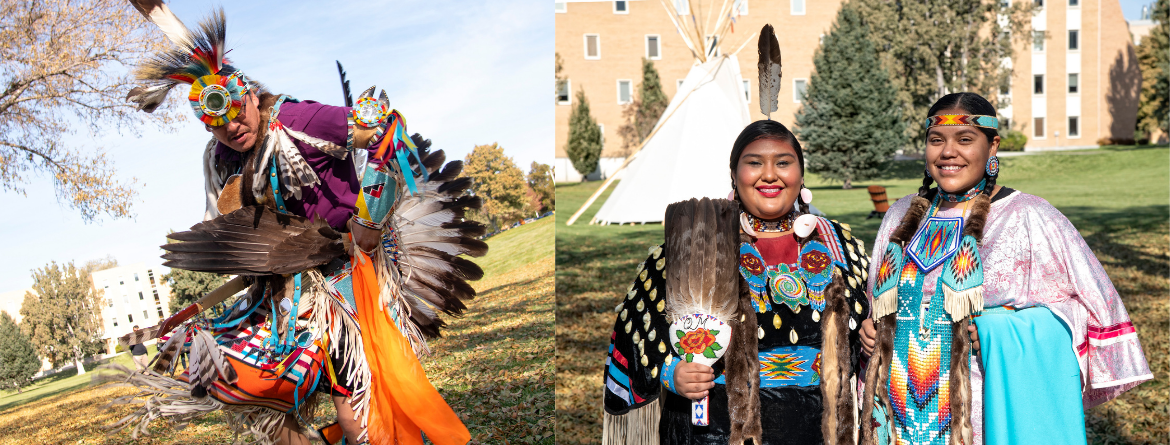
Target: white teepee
{"type": "Point", "coordinates": [687, 155]}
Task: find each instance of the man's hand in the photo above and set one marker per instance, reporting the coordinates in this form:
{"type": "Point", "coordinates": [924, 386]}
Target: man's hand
{"type": "Point", "coordinates": [868, 336]}
{"type": "Point", "coordinates": [365, 238]}
{"type": "Point", "coordinates": [692, 380]}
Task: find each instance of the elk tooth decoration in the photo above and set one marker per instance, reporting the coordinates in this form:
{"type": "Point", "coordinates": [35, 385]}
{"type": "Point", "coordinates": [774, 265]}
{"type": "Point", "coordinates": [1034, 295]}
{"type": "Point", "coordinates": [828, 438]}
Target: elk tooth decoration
{"type": "Point", "coordinates": [702, 288]}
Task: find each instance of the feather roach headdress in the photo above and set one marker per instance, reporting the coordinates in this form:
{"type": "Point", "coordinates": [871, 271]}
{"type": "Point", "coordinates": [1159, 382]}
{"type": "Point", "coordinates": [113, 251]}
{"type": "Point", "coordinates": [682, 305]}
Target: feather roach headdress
{"type": "Point", "coordinates": [769, 68]}
{"type": "Point", "coordinates": [217, 89]}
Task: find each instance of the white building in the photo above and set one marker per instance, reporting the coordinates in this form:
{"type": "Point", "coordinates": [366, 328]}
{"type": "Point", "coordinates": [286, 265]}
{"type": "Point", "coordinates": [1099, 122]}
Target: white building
{"type": "Point", "coordinates": [133, 295]}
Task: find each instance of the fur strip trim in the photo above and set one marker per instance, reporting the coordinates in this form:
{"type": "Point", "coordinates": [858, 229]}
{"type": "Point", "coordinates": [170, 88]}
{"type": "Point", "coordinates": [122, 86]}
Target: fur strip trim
{"type": "Point", "coordinates": [743, 373]}
{"type": "Point", "coordinates": [909, 225]}
{"type": "Point", "coordinates": [876, 376]}
{"type": "Point", "coordinates": [980, 206]}
{"type": "Point", "coordinates": [837, 422]}
{"type": "Point", "coordinates": [960, 384]}
{"type": "Point", "coordinates": [639, 426]}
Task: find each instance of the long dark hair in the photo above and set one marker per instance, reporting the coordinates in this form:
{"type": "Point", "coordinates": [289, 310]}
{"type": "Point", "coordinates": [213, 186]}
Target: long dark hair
{"type": "Point", "coordinates": [766, 129]}
{"type": "Point", "coordinates": [969, 103]}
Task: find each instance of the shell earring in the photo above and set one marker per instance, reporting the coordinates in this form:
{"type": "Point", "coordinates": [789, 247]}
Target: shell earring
{"type": "Point", "coordinates": [805, 194]}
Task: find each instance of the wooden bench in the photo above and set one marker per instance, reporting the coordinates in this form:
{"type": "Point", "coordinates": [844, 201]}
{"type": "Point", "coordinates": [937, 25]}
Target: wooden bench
{"type": "Point", "coordinates": [877, 194]}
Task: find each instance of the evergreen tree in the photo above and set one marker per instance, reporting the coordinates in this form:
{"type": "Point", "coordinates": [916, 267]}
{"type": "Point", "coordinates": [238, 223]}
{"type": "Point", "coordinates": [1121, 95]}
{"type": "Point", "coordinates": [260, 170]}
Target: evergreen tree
{"type": "Point", "coordinates": [1154, 59]}
{"type": "Point", "coordinates": [584, 146]}
{"type": "Point", "coordinates": [499, 182]}
{"type": "Point", "coordinates": [936, 47]}
{"type": "Point", "coordinates": [62, 314]}
{"type": "Point", "coordinates": [18, 358]}
{"type": "Point", "coordinates": [849, 121]}
{"type": "Point", "coordinates": [642, 114]}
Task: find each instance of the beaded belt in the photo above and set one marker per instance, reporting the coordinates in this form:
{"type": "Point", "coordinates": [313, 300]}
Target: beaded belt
{"type": "Point", "coordinates": [788, 366]}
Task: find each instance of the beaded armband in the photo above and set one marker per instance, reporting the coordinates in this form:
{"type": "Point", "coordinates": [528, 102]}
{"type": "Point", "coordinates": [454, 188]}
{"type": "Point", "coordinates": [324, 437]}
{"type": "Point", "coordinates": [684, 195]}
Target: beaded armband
{"type": "Point", "coordinates": [366, 223]}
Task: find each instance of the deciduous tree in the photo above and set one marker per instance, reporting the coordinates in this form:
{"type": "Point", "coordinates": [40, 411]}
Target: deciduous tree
{"type": "Point", "coordinates": [540, 181]}
{"type": "Point", "coordinates": [66, 71]}
{"type": "Point", "coordinates": [584, 145]}
{"type": "Point", "coordinates": [849, 120]}
{"type": "Point", "coordinates": [498, 182]}
{"type": "Point", "coordinates": [642, 114]}
{"type": "Point", "coordinates": [936, 47]}
{"type": "Point", "coordinates": [188, 287]}
{"type": "Point", "coordinates": [61, 315]}
{"type": "Point", "coordinates": [1154, 59]}
{"type": "Point", "coordinates": [18, 359]}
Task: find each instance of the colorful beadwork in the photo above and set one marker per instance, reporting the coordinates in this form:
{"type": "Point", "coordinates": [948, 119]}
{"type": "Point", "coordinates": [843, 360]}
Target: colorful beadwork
{"type": "Point", "coordinates": [888, 270]}
{"type": "Point", "coordinates": [218, 99]}
{"type": "Point", "coordinates": [992, 166]}
{"type": "Point", "coordinates": [369, 112]}
{"type": "Point", "coordinates": [920, 366]}
{"type": "Point", "coordinates": [965, 270]}
{"type": "Point", "coordinates": [784, 224]}
{"type": "Point", "coordinates": [786, 286]}
{"type": "Point", "coordinates": [787, 366]}
{"type": "Point", "coordinates": [969, 195]}
{"type": "Point", "coordinates": [963, 119]}
{"type": "Point", "coordinates": [934, 242]}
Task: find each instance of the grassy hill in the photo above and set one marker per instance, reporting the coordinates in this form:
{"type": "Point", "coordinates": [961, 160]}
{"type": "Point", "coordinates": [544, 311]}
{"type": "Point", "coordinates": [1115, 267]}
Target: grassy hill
{"type": "Point", "coordinates": [1117, 198]}
{"type": "Point", "coordinates": [492, 366]}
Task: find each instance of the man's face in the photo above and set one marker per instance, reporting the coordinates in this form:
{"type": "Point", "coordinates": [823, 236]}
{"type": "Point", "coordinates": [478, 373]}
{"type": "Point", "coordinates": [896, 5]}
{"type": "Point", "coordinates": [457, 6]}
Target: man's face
{"type": "Point", "coordinates": [240, 134]}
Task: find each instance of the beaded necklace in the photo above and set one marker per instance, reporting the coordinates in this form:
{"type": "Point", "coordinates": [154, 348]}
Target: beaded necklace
{"type": "Point", "coordinates": [971, 194]}
{"type": "Point", "coordinates": [784, 224]}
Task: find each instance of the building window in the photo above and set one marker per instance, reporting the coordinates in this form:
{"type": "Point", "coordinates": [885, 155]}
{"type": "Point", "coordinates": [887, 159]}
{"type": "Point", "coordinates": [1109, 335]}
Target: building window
{"type": "Point", "coordinates": [1038, 84]}
{"type": "Point", "coordinates": [111, 300]}
{"type": "Point", "coordinates": [1074, 42]}
{"type": "Point", "coordinates": [747, 91]}
{"type": "Point", "coordinates": [115, 322]}
{"type": "Point", "coordinates": [1005, 123]}
{"type": "Point", "coordinates": [1038, 128]}
{"type": "Point", "coordinates": [1039, 3]}
{"type": "Point", "coordinates": [797, 7]}
{"type": "Point", "coordinates": [1037, 41]}
{"type": "Point", "coordinates": [160, 312]}
{"type": "Point", "coordinates": [1074, 3]}
{"type": "Point", "coordinates": [1074, 83]}
{"type": "Point", "coordinates": [712, 46]}
{"type": "Point", "coordinates": [798, 89]}
{"type": "Point", "coordinates": [105, 284]}
{"type": "Point", "coordinates": [742, 7]}
{"type": "Point", "coordinates": [624, 93]}
{"type": "Point", "coordinates": [621, 7]}
{"type": "Point", "coordinates": [144, 315]}
{"type": "Point", "coordinates": [1074, 127]}
{"type": "Point", "coordinates": [601, 127]}
{"type": "Point", "coordinates": [563, 96]}
{"type": "Point", "coordinates": [592, 46]}
{"type": "Point", "coordinates": [136, 276]}
{"type": "Point", "coordinates": [130, 317]}
{"type": "Point", "coordinates": [680, 82]}
{"type": "Point", "coordinates": [121, 283]}
{"type": "Point", "coordinates": [1005, 88]}
{"type": "Point", "coordinates": [561, 7]}
{"type": "Point", "coordinates": [682, 6]}
{"type": "Point", "coordinates": [141, 297]}
{"type": "Point", "coordinates": [652, 50]}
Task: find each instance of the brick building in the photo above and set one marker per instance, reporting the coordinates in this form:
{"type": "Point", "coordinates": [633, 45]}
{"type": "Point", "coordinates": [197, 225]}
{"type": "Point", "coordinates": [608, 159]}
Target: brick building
{"type": "Point", "coordinates": [1078, 82]}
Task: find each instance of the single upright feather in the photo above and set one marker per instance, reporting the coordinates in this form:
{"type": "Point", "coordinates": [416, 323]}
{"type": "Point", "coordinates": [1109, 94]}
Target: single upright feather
{"type": "Point", "coordinates": [157, 12]}
{"type": "Point", "coordinates": [769, 69]}
{"type": "Point", "coordinates": [701, 256]}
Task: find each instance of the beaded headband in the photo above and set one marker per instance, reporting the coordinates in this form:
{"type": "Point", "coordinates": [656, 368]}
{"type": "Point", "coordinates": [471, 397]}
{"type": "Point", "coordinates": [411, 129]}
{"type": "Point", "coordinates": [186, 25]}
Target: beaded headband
{"type": "Point", "coordinates": [963, 119]}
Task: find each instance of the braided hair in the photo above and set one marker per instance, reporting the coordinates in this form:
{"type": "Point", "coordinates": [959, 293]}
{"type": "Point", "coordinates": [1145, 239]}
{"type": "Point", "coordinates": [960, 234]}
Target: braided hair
{"type": "Point", "coordinates": [767, 129]}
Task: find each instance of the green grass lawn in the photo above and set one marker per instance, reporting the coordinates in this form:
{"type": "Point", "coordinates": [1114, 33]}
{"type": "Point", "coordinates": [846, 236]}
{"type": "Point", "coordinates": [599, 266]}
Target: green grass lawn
{"type": "Point", "coordinates": [493, 366]}
{"type": "Point", "coordinates": [62, 382]}
{"type": "Point", "coordinates": [1118, 198]}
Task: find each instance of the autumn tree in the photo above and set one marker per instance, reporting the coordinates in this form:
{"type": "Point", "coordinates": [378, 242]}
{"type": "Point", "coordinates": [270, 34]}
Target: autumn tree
{"type": "Point", "coordinates": [65, 71]}
{"type": "Point", "coordinates": [540, 181]}
{"type": "Point", "coordinates": [18, 358]}
{"type": "Point", "coordinates": [935, 47]}
{"type": "Point", "coordinates": [849, 120]}
{"type": "Point", "coordinates": [642, 114]}
{"type": "Point", "coordinates": [62, 315]}
{"type": "Point", "coordinates": [1154, 57]}
{"type": "Point", "coordinates": [584, 145]}
{"type": "Point", "coordinates": [498, 182]}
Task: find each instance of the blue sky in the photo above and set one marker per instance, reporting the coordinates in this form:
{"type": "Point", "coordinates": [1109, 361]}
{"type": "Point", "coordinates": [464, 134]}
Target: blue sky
{"type": "Point", "coordinates": [462, 73]}
{"type": "Point", "coordinates": [1132, 9]}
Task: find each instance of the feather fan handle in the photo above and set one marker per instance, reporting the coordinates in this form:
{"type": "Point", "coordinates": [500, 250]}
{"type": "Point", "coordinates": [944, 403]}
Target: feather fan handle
{"type": "Point", "coordinates": [702, 245]}
{"type": "Point", "coordinates": [769, 70]}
